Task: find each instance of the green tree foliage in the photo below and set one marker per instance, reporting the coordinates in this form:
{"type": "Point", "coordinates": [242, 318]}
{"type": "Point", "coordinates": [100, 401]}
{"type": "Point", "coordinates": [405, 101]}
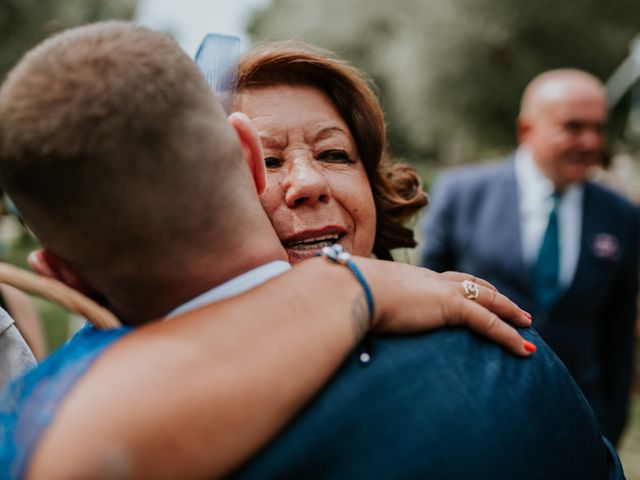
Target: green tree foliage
{"type": "Point", "coordinates": [24, 23]}
{"type": "Point", "coordinates": [451, 72]}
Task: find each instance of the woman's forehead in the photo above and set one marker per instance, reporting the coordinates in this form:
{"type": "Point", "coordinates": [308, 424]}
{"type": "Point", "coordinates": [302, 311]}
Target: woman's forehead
{"type": "Point", "coordinates": [279, 108]}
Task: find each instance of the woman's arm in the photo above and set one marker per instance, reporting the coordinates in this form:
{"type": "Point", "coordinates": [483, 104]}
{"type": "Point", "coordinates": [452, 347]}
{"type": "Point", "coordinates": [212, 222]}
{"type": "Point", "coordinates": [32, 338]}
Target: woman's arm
{"type": "Point", "coordinates": [195, 396]}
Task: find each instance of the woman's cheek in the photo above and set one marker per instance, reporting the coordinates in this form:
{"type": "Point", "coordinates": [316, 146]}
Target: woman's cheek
{"type": "Point", "coordinates": [272, 195]}
{"type": "Point", "coordinates": [364, 214]}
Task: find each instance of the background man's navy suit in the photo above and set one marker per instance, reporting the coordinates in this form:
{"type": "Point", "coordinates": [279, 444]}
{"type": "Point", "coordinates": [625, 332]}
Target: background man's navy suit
{"type": "Point", "coordinates": [473, 225]}
{"type": "Point", "coordinates": [444, 405]}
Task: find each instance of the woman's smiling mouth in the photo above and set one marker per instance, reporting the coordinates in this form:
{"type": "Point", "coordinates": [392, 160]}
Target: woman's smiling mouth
{"type": "Point", "coordinates": [313, 243]}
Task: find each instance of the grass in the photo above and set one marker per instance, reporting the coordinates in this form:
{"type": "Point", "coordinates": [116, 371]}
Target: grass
{"type": "Point", "coordinates": [55, 322]}
{"type": "Point", "coordinates": [630, 446]}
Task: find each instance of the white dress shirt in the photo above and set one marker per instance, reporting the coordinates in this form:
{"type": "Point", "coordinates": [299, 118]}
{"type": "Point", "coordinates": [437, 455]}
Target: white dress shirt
{"type": "Point", "coordinates": [235, 286]}
{"type": "Point", "coordinates": [535, 196]}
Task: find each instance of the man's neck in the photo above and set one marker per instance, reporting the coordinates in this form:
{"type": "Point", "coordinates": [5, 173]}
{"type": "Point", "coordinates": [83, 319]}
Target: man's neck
{"type": "Point", "coordinates": [211, 270]}
{"type": "Point", "coordinates": [237, 285]}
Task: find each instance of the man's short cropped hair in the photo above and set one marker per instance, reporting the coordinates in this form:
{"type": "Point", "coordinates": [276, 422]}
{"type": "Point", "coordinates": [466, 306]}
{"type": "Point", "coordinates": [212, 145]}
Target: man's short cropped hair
{"type": "Point", "coordinates": [113, 147]}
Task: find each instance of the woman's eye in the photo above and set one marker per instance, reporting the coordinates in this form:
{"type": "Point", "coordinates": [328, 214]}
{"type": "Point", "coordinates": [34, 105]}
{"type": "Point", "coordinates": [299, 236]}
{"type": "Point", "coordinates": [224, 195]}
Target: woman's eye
{"type": "Point", "coordinates": [334, 156]}
{"type": "Point", "coordinates": [272, 162]}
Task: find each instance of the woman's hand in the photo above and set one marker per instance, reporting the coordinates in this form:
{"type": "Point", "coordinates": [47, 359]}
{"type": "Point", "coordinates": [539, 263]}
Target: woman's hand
{"type": "Point", "coordinates": [410, 299]}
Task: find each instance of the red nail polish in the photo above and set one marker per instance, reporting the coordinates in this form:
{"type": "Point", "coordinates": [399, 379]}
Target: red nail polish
{"type": "Point", "coordinates": [529, 347]}
{"type": "Point", "coordinates": [527, 314]}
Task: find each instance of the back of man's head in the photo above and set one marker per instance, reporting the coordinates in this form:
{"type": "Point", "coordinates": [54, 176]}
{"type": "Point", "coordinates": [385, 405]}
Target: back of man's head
{"type": "Point", "coordinates": [120, 160]}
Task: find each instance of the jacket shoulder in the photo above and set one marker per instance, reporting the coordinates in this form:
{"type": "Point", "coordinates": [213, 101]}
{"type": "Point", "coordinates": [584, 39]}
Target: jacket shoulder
{"type": "Point", "coordinates": [472, 182]}
{"type": "Point", "coordinates": [476, 175]}
{"type": "Point", "coordinates": [616, 203]}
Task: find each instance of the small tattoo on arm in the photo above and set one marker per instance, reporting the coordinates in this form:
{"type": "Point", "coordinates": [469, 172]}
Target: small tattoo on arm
{"type": "Point", "coordinates": [360, 317]}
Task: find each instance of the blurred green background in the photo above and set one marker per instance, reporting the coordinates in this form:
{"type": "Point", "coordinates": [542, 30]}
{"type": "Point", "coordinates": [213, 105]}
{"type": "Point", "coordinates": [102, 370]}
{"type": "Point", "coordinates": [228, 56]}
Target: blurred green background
{"type": "Point", "coordinates": [449, 73]}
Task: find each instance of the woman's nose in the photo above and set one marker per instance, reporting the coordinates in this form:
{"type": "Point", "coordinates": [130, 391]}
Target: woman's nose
{"type": "Point", "coordinates": [305, 184]}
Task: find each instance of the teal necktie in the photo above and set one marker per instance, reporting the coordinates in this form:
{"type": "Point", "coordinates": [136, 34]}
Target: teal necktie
{"type": "Point", "coordinates": [545, 271]}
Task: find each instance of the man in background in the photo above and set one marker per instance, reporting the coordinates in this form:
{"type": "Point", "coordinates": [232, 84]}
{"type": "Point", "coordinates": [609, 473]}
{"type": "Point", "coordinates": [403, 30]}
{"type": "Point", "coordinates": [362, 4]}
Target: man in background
{"type": "Point", "coordinates": [562, 247]}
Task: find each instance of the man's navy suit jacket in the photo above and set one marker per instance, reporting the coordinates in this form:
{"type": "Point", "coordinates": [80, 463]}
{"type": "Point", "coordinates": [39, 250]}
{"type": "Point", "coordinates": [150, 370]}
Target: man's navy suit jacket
{"type": "Point", "coordinates": [444, 405]}
{"type": "Point", "coordinates": [473, 225]}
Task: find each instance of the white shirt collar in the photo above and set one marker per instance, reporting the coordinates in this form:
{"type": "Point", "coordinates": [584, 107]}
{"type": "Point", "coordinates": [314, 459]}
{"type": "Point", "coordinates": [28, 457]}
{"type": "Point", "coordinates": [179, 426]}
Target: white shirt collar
{"type": "Point", "coordinates": [235, 286]}
{"type": "Point", "coordinates": [533, 185]}
{"type": "Point", "coordinates": [535, 204]}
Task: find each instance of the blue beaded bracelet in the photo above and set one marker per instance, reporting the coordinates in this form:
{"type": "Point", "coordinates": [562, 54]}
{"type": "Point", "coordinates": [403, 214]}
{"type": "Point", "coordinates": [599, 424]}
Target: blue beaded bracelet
{"type": "Point", "coordinates": [337, 254]}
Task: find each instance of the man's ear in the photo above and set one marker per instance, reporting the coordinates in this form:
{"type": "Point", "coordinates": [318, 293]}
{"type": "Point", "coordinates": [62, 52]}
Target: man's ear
{"type": "Point", "coordinates": [523, 127]}
{"type": "Point", "coordinates": [251, 147]}
{"type": "Point", "coordinates": [39, 264]}
{"type": "Point", "coordinates": [48, 264]}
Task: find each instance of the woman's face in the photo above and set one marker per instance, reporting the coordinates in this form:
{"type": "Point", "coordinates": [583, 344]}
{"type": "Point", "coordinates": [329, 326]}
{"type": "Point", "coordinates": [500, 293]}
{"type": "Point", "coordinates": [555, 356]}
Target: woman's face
{"type": "Point", "coordinates": [317, 191]}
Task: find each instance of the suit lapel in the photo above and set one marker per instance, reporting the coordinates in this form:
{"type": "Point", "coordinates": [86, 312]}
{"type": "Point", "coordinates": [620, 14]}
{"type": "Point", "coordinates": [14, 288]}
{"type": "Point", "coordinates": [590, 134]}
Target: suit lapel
{"type": "Point", "coordinates": [511, 226]}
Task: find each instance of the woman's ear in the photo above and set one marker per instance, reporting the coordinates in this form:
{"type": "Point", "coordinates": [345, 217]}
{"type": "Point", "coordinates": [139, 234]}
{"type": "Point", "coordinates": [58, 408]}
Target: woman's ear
{"type": "Point", "coordinates": [48, 264]}
{"type": "Point", "coordinates": [251, 147]}
{"type": "Point", "coordinates": [523, 127]}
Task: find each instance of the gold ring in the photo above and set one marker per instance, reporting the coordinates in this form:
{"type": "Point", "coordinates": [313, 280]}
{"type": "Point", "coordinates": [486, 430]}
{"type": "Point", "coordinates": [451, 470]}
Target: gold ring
{"type": "Point", "coordinates": [471, 290]}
